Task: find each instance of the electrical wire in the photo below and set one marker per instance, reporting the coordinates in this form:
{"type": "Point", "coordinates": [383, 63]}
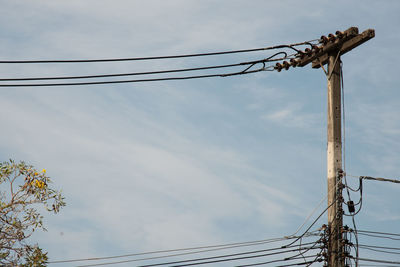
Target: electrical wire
{"type": "Point", "coordinates": [317, 258]}
{"type": "Point", "coordinates": [181, 254]}
{"type": "Point", "coordinates": [375, 265]}
{"type": "Point", "coordinates": [270, 68]}
{"type": "Point", "coordinates": [201, 250]}
{"type": "Point", "coordinates": [379, 247]}
{"type": "Point", "coordinates": [383, 251]}
{"type": "Point", "coordinates": [381, 233]}
{"type": "Point", "coordinates": [230, 255]}
{"type": "Point", "coordinates": [352, 214]}
{"type": "Point", "coordinates": [378, 261]}
{"type": "Point", "coordinates": [130, 81]}
{"type": "Point", "coordinates": [301, 253]}
{"type": "Point", "coordinates": [198, 263]}
{"type": "Point", "coordinates": [251, 63]}
{"type": "Point", "coordinates": [312, 224]}
{"type": "Point", "coordinates": [373, 235]}
{"type": "Point", "coordinates": [290, 46]}
{"type": "Point", "coordinates": [360, 189]}
{"type": "Point", "coordinates": [309, 216]}
{"type": "Point", "coordinates": [274, 261]}
{"type": "Point", "coordinates": [380, 179]}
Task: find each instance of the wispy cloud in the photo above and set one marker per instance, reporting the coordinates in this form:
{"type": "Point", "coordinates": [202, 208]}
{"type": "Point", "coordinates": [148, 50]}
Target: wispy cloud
{"type": "Point", "coordinates": [293, 116]}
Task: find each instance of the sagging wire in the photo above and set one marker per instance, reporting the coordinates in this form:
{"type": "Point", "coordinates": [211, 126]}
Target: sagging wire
{"type": "Point", "coordinates": [377, 236]}
{"type": "Point", "coordinates": [213, 259]}
{"type": "Point", "coordinates": [275, 261]}
{"type": "Point", "coordinates": [291, 46]}
{"type": "Point", "coordinates": [312, 224]}
{"type": "Point", "coordinates": [251, 63]}
{"type": "Point", "coordinates": [197, 250]}
{"type": "Point", "coordinates": [247, 70]}
{"type": "Point", "coordinates": [379, 233]}
{"type": "Point", "coordinates": [380, 179]}
{"type": "Point", "coordinates": [132, 81]}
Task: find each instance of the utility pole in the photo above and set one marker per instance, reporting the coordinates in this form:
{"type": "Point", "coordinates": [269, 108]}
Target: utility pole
{"type": "Point", "coordinates": [329, 52]}
{"type": "Point", "coordinates": [334, 161]}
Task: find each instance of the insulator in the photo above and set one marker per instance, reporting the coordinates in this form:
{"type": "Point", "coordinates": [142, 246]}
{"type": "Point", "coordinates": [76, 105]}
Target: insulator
{"type": "Point", "coordinates": [331, 37]}
{"type": "Point", "coordinates": [324, 39]}
{"type": "Point", "coordinates": [286, 65]}
{"type": "Point", "coordinates": [315, 48]}
{"type": "Point", "coordinates": [293, 62]}
{"type": "Point", "coordinates": [339, 34]}
{"type": "Point", "coordinates": [278, 66]}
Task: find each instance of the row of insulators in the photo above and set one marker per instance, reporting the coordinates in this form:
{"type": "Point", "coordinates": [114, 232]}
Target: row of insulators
{"type": "Point", "coordinates": [331, 37]}
{"type": "Point", "coordinates": [309, 51]}
{"type": "Point", "coordinates": [302, 54]}
{"type": "Point", "coordinates": [285, 65]}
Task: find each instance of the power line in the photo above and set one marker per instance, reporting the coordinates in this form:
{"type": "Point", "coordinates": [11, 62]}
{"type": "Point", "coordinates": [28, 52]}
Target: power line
{"type": "Point", "coordinates": [180, 254]}
{"type": "Point", "coordinates": [378, 236]}
{"type": "Point", "coordinates": [312, 224]}
{"type": "Point", "coordinates": [381, 233]}
{"type": "Point", "coordinates": [201, 248]}
{"type": "Point", "coordinates": [236, 254]}
{"type": "Point", "coordinates": [274, 261]}
{"type": "Point", "coordinates": [378, 260]}
{"type": "Point", "coordinates": [205, 260]}
{"type": "Point", "coordinates": [382, 251]}
{"type": "Point", "coordinates": [380, 179]}
{"type": "Point", "coordinates": [290, 46]}
{"type": "Point", "coordinates": [252, 63]}
{"type": "Point", "coordinates": [270, 68]}
{"type": "Point", "coordinates": [379, 247]}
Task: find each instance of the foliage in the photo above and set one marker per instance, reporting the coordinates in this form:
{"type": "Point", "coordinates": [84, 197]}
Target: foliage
{"type": "Point", "coordinates": [23, 190]}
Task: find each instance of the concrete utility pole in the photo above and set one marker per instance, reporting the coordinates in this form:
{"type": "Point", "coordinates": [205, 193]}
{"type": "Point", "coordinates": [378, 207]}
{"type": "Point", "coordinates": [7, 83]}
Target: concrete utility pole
{"type": "Point", "coordinates": [334, 161]}
{"type": "Point", "coordinates": [332, 48]}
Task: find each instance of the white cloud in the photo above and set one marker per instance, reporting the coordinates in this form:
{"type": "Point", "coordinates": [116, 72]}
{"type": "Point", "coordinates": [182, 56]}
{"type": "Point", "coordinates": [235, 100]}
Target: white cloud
{"type": "Point", "coordinates": [293, 116]}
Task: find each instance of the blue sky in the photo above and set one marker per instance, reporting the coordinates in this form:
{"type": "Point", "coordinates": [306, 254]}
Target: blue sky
{"type": "Point", "coordinates": [151, 166]}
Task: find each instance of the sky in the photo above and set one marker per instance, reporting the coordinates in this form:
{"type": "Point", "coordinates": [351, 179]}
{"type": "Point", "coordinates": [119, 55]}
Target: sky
{"type": "Point", "coordinates": [175, 164]}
